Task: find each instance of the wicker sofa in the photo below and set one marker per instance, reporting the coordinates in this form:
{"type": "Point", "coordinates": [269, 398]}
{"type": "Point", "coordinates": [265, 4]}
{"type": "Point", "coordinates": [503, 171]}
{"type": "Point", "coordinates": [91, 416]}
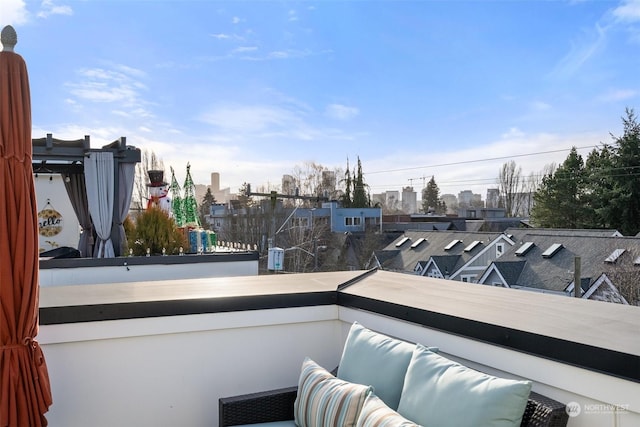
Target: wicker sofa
{"type": "Point", "coordinates": [396, 375]}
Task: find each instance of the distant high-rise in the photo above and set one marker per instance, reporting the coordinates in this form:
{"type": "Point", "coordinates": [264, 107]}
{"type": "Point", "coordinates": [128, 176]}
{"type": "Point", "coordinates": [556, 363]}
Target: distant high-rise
{"type": "Point", "coordinates": [493, 198]}
{"type": "Point", "coordinates": [215, 182]}
{"type": "Point", "coordinates": [288, 185]}
{"type": "Point", "coordinates": [409, 200]}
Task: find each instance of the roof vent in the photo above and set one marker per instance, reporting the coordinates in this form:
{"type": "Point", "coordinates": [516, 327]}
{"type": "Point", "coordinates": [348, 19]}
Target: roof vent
{"type": "Point", "coordinates": [526, 247]}
{"type": "Point", "coordinates": [402, 242]}
{"type": "Point", "coordinates": [417, 242]}
{"type": "Point", "coordinates": [452, 244]}
{"type": "Point", "coordinates": [614, 256]}
{"type": "Point", "coordinates": [472, 246]}
{"type": "Point", "coordinates": [553, 249]}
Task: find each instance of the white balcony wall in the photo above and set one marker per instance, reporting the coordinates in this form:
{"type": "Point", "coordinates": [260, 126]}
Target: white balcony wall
{"type": "Point", "coordinates": [126, 272]}
{"type": "Point", "coordinates": [170, 371]}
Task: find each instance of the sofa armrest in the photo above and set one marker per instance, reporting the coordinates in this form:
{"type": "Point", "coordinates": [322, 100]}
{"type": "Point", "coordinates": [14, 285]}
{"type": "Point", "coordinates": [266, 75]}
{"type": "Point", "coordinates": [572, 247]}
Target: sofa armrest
{"type": "Point", "coordinates": [543, 411]}
{"type": "Point", "coordinates": [263, 407]}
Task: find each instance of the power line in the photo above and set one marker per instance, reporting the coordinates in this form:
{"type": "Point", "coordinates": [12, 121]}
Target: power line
{"type": "Point", "coordinates": [463, 162]}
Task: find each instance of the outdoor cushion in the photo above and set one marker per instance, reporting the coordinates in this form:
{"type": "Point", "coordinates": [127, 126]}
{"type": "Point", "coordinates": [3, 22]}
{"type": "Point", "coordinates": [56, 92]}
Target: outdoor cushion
{"type": "Point", "coordinates": [441, 393]}
{"type": "Point", "coordinates": [377, 360]}
{"type": "Point", "coordinates": [376, 414]}
{"type": "Point", "coordinates": [324, 400]}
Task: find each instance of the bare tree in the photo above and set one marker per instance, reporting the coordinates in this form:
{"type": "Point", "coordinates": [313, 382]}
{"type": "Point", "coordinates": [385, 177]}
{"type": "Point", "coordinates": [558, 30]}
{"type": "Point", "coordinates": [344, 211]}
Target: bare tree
{"type": "Point", "coordinates": [313, 179]}
{"type": "Point", "coordinates": [511, 186]}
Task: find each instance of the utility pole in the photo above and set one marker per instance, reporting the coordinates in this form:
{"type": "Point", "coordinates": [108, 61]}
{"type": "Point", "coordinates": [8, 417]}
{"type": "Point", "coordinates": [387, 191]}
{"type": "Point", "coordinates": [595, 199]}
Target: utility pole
{"type": "Point", "coordinates": [274, 196]}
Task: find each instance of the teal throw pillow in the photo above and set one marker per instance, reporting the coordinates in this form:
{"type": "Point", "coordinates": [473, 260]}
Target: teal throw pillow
{"type": "Point", "coordinates": [377, 360]}
{"type": "Point", "coordinates": [441, 393]}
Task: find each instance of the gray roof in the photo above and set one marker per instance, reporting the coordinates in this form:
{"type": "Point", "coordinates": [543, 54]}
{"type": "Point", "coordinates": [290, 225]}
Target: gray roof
{"type": "Point", "coordinates": [555, 273]}
{"type": "Point", "coordinates": [407, 257]}
{"type": "Point", "coordinates": [510, 270]}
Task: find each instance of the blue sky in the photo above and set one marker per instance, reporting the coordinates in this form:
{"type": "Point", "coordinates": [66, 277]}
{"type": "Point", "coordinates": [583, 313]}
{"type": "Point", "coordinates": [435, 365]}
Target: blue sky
{"type": "Point", "coordinates": [252, 89]}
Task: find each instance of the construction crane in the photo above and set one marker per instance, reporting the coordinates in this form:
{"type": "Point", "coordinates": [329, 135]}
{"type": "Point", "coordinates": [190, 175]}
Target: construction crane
{"type": "Point", "coordinates": [423, 178]}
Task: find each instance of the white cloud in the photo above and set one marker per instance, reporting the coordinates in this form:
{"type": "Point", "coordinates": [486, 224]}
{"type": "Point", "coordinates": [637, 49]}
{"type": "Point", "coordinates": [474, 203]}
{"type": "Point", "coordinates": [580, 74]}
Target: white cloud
{"type": "Point", "coordinates": [512, 133]}
{"type": "Point", "coordinates": [341, 112]}
{"type": "Point", "coordinates": [250, 119]}
{"type": "Point", "coordinates": [13, 12]}
{"type": "Point", "coordinates": [48, 8]}
{"type": "Point", "coordinates": [120, 85]}
{"type": "Point", "coordinates": [221, 36]}
{"type": "Point", "coordinates": [619, 95]}
{"type": "Point", "coordinates": [581, 52]}
{"type": "Point", "coordinates": [235, 20]}
{"type": "Point", "coordinates": [293, 15]}
{"type": "Point", "coordinates": [244, 49]}
{"type": "Point", "coordinates": [628, 11]}
{"type": "Point", "coordinates": [540, 106]}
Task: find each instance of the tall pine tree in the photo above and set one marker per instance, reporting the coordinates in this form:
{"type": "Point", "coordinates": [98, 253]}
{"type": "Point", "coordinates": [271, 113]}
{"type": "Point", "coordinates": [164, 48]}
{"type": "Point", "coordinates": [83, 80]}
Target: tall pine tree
{"type": "Point", "coordinates": [346, 197]}
{"type": "Point", "coordinates": [360, 195]}
{"type": "Point", "coordinates": [624, 198]}
{"type": "Point", "coordinates": [431, 202]}
{"type": "Point", "coordinates": [560, 200]}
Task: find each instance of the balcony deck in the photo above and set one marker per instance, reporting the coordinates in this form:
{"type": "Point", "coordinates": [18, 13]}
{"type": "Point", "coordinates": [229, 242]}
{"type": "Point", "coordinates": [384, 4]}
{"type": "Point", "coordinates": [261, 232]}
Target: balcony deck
{"type": "Point", "coordinates": [162, 353]}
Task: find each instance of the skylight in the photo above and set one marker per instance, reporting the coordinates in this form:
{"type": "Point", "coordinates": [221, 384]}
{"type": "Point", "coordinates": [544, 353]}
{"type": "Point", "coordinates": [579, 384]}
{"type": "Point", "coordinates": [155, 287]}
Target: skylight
{"type": "Point", "coordinates": [452, 244]}
{"type": "Point", "coordinates": [472, 245]}
{"type": "Point", "coordinates": [614, 256]}
{"type": "Point", "coordinates": [526, 247]}
{"type": "Point", "coordinates": [402, 242]}
{"type": "Point", "coordinates": [553, 249]}
{"type": "Point", "coordinates": [417, 242]}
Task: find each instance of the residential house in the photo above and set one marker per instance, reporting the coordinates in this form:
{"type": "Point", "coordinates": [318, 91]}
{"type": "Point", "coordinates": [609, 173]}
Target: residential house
{"type": "Point", "coordinates": [545, 261]}
{"type": "Point", "coordinates": [453, 255]}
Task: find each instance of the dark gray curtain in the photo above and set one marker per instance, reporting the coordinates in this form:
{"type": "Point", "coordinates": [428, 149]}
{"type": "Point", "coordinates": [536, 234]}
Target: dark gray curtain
{"type": "Point", "coordinates": [77, 191]}
{"type": "Point", "coordinates": [126, 177]}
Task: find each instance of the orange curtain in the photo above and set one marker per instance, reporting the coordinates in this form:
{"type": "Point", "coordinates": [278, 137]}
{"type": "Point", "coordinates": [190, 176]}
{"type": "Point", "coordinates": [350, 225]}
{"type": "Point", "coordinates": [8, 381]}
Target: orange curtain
{"type": "Point", "coordinates": [25, 392]}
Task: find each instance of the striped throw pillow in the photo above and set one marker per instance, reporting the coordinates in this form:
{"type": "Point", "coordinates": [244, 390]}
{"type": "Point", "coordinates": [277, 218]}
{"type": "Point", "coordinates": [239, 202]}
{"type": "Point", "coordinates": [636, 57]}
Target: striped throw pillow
{"type": "Point", "coordinates": [375, 413]}
{"type": "Point", "coordinates": [326, 401]}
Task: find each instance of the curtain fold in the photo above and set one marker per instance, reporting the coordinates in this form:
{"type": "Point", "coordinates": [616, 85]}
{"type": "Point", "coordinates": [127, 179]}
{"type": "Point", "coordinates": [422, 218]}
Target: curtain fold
{"type": "Point", "coordinates": [77, 192]}
{"type": "Point", "coordinates": [99, 181]}
{"type": "Point", "coordinates": [126, 178]}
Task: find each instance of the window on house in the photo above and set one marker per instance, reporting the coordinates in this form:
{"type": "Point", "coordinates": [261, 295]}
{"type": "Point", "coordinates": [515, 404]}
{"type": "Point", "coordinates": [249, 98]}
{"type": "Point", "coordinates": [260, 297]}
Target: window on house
{"type": "Point", "coordinates": [469, 278]}
{"type": "Point", "coordinates": [352, 220]}
{"type": "Point", "coordinates": [434, 273]}
{"type": "Point", "coordinates": [499, 249]}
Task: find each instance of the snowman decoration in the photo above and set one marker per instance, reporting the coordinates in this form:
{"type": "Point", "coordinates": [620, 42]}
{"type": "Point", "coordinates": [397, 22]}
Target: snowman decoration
{"type": "Point", "coordinates": [158, 191]}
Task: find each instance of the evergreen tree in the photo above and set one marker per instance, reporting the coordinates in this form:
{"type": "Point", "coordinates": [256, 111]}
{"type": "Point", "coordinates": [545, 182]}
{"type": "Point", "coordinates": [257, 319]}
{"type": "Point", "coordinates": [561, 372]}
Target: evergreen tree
{"type": "Point", "coordinates": [346, 197]}
{"type": "Point", "coordinates": [431, 198]}
{"type": "Point", "coordinates": [599, 182]}
{"type": "Point", "coordinates": [560, 201]}
{"type": "Point", "coordinates": [205, 208]}
{"type": "Point", "coordinates": [624, 197]}
{"type": "Point", "coordinates": [360, 194]}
